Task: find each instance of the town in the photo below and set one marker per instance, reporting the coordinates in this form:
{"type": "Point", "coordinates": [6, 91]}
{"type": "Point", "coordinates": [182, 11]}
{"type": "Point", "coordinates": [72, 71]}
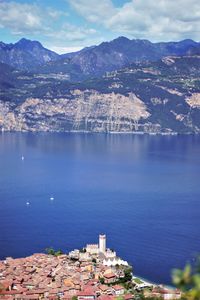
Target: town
{"type": "Point", "coordinates": [94, 272]}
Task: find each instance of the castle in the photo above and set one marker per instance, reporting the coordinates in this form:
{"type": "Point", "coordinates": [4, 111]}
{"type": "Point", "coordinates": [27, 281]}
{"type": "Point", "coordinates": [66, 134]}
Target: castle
{"type": "Point", "coordinates": [100, 248]}
{"type": "Point", "coordinates": [107, 255]}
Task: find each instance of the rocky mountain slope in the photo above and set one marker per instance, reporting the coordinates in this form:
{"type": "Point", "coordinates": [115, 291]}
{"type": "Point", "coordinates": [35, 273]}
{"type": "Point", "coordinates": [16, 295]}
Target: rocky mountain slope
{"type": "Point", "coordinates": [114, 55]}
{"type": "Point", "coordinates": [25, 54]}
{"type": "Point", "coordinates": [150, 97]}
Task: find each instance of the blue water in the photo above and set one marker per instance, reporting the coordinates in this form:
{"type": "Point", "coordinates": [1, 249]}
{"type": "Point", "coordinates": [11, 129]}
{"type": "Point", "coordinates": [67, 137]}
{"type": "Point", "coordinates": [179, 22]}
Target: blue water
{"type": "Point", "coordinates": [142, 191]}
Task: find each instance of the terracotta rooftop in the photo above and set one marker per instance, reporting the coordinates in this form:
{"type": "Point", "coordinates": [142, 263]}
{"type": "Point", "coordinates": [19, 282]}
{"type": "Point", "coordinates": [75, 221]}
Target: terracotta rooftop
{"type": "Point", "coordinates": [117, 287]}
{"type": "Point", "coordinates": [109, 275]}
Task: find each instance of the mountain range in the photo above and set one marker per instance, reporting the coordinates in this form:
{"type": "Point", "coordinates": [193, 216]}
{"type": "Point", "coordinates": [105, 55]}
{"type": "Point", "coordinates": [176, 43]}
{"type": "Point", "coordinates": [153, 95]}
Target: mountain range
{"type": "Point", "coordinates": [91, 61]}
{"type": "Point", "coordinates": [119, 86]}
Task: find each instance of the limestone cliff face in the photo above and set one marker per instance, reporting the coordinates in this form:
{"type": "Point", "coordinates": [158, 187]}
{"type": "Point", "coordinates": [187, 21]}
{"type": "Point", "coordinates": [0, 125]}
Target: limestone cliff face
{"type": "Point", "coordinates": [92, 111]}
{"type": "Point", "coordinates": [152, 97]}
{"type": "Point", "coordinates": [194, 100]}
{"type": "Point", "coordinates": [86, 111]}
{"type": "Point", "coordinates": [108, 112]}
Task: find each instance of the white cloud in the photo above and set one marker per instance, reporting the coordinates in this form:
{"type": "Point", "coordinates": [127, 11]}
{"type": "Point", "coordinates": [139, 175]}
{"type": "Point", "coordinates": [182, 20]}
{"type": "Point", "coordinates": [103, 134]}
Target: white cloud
{"type": "Point", "coordinates": [73, 33]}
{"type": "Point", "coordinates": [156, 20]}
{"type": "Point", "coordinates": [62, 50]}
{"type": "Point", "coordinates": [20, 17]}
{"type": "Point", "coordinates": [32, 19]}
{"type": "Point", "coordinates": [23, 18]}
{"type": "Point", "coordinates": [150, 19]}
{"type": "Point", "coordinates": [75, 36]}
{"type": "Point", "coordinates": [93, 10]}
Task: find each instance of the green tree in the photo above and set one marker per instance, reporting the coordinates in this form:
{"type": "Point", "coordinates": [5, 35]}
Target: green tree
{"type": "Point", "coordinates": [50, 251]}
{"type": "Point", "coordinates": [58, 252]}
{"type": "Point", "coordinates": [102, 281]}
{"type": "Point", "coordinates": [127, 275]}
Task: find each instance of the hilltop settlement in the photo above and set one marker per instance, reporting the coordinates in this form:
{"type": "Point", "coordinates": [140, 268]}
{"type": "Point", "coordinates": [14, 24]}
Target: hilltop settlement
{"type": "Point", "coordinates": [94, 272]}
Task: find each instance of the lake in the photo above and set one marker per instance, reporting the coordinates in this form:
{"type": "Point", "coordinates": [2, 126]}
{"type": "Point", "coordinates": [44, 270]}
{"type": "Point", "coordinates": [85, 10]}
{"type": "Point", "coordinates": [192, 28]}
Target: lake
{"type": "Point", "coordinates": [142, 191]}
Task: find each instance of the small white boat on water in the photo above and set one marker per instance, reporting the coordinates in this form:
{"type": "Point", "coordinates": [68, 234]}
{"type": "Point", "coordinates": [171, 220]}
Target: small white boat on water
{"type": "Point", "coordinates": [22, 157]}
{"type": "Point", "coordinates": [51, 198]}
{"type": "Point", "coordinates": [27, 203]}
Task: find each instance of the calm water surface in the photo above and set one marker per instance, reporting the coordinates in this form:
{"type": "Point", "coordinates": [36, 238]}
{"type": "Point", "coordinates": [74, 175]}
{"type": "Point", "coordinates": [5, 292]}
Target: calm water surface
{"type": "Point", "coordinates": [142, 191]}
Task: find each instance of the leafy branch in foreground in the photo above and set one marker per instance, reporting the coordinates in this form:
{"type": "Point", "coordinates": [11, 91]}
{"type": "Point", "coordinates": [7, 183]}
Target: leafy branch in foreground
{"type": "Point", "coordinates": [188, 280]}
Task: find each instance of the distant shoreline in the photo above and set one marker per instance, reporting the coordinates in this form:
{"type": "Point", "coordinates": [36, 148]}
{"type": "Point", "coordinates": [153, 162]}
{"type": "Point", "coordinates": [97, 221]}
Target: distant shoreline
{"type": "Point", "coordinates": [104, 132]}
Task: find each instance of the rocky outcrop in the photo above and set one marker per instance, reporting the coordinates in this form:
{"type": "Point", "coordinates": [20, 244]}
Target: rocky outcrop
{"type": "Point", "coordinates": [194, 100]}
{"type": "Point", "coordinates": [87, 111]}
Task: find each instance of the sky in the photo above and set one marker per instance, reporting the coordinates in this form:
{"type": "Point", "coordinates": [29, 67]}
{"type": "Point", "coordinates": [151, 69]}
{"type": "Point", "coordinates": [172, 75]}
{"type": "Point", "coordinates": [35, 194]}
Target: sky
{"type": "Point", "coordinates": [69, 25]}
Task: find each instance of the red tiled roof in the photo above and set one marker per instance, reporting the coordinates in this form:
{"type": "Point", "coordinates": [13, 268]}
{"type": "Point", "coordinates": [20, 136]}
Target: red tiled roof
{"type": "Point", "coordinates": [87, 292]}
{"type": "Point", "coordinates": [53, 297]}
{"type": "Point", "coordinates": [38, 291]}
{"type": "Point", "coordinates": [92, 282]}
{"type": "Point", "coordinates": [31, 297]}
{"type": "Point", "coordinates": [13, 292]}
{"type": "Point", "coordinates": [118, 287]}
{"type": "Point", "coordinates": [106, 297]}
{"type": "Point", "coordinates": [103, 287]}
{"type": "Point", "coordinates": [6, 283]}
{"type": "Point", "coordinates": [7, 298]}
{"type": "Point", "coordinates": [109, 275]}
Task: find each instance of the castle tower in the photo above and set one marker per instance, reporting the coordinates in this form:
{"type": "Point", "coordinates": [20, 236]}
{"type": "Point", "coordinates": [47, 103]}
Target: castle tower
{"type": "Point", "coordinates": [102, 243]}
